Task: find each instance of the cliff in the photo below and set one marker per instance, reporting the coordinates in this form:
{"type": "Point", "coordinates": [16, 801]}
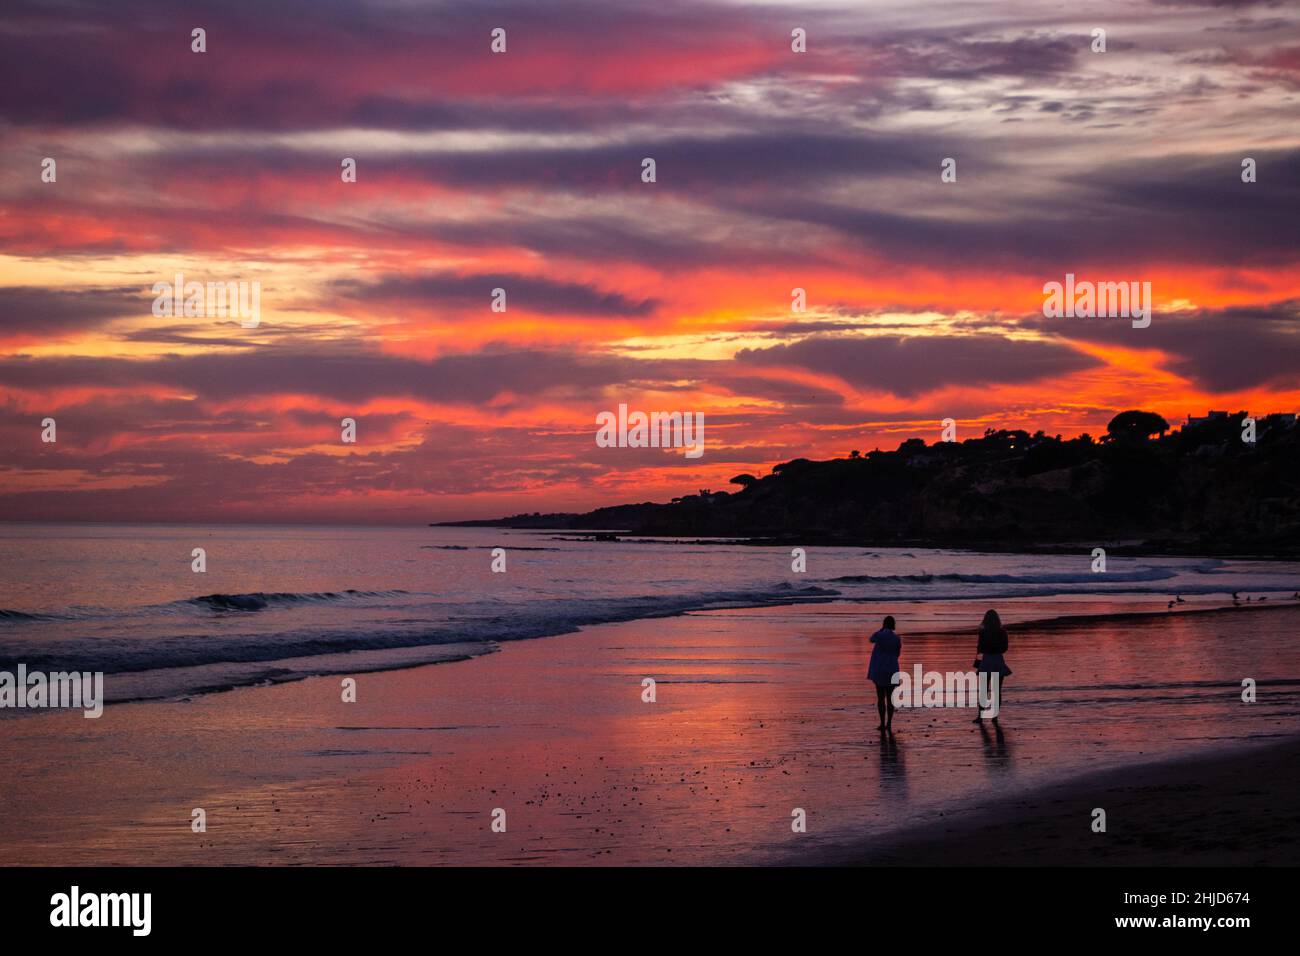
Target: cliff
{"type": "Point", "coordinates": [1200, 489]}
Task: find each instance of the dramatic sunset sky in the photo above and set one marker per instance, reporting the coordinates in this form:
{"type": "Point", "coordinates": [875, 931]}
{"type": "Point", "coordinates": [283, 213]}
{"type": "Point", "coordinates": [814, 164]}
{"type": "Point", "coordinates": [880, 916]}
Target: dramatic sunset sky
{"type": "Point", "coordinates": [522, 170]}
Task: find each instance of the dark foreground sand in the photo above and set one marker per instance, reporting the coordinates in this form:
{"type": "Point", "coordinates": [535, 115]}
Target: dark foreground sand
{"type": "Point", "coordinates": [1241, 809]}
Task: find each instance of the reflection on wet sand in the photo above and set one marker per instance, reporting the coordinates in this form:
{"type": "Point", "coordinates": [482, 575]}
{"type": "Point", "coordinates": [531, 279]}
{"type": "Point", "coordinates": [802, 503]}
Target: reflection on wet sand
{"type": "Point", "coordinates": [997, 752]}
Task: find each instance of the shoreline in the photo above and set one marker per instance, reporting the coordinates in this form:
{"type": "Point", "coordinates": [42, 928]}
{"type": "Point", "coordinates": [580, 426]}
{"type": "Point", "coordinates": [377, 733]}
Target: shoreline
{"type": "Point", "coordinates": [372, 661]}
{"type": "Point", "coordinates": [1126, 548]}
{"type": "Point", "coordinates": [1132, 617]}
{"type": "Point", "coordinates": [272, 672]}
{"type": "Point", "coordinates": [758, 711]}
{"type": "Point", "coordinates": [1214, 808]}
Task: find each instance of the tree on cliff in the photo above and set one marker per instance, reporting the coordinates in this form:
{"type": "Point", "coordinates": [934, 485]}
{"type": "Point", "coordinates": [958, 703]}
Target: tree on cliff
{"type": "Point", "coordinates": [1136, 425]}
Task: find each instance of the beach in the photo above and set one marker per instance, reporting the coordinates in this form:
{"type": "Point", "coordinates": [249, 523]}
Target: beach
{"type": "Point", "coordinates": [1211, 809]}
{"type": "Point", "coordinates": [758, 713]}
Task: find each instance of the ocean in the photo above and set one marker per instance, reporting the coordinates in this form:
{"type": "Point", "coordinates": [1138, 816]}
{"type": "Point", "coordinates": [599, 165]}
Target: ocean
{"type": "Point", "coordinates": [281, 603]}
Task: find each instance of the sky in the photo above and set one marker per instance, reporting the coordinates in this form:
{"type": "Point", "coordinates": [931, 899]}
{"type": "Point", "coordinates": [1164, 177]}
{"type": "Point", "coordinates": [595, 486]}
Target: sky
{"type": "Point", "coordinates": [775, 170]}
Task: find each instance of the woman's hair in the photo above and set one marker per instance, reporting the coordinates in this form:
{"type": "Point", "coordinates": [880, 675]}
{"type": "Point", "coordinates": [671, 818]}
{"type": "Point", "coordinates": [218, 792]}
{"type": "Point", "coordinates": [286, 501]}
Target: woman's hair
{"type": "Point", "coordinates": [889, 622]}
{"type": "Point", "coordinates": [991, 622]}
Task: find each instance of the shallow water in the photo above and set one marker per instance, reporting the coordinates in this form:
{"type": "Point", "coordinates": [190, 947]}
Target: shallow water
{"type": "Point", "coordinates": [759, 712]}
{"type": "Point", "coordinates": [281, 602]}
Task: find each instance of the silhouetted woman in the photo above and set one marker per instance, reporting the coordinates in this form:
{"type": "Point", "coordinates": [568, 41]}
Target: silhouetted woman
{"type": "Point", "coordinates": [992, 645]}
{"type": "Point", "coordinates": [881, 670]}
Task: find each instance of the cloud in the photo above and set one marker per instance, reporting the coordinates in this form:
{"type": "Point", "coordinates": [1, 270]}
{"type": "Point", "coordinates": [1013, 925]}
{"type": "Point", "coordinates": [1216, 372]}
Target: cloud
{"type": "Point", "coordinates": [525, 293]}
{"type": "Point", "coordinates": [522, 171]}
{"type": "Point", "coordinates": [1220, 350]}
{"type": "Point", "coordinates": [33, 310]}
{"type": "Point", "coordinates": [340, 374]}
{"type": "Point", "coordinates": [913, 365]}
{"type": "Point", "coordinates": [336, 64]}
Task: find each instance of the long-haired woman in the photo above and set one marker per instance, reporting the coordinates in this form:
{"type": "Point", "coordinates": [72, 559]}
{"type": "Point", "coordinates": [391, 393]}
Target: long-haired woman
{"type": "Point", "coordinates": [992, 646]}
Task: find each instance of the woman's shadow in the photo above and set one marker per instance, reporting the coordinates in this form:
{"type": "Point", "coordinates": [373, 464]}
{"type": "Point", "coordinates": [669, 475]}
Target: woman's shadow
{"type": "Point", "coordinates": [893, 772]}
{"type": "Point", "coordinates": [997, 752]}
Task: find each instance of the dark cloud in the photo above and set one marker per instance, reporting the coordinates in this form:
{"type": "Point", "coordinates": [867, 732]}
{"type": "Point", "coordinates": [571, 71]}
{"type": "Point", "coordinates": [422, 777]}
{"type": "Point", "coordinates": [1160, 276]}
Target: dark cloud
{"type": "Point", "coordinates": [353, 376]}
{"type": "Point", "coordinates": [307, 64]}
{"type": "Point", "coordinates": [32, 310]}
{"type": "Point", "coordinates": [1122, 215]}
{"type": "Point", "coordinates": [910, 366]}
{"type": "Point", "coordinates": [788, 393]}
{"type": "Point", "coordinates": [525, 293]}
{"type": "Point", "coordinates": [786, 154]}
{"type": "Point", "coordinates": [961, 58]}
{"type": "Point", "coordinates": [1220, 350]}
{"type": "Point", "coordinates": [400, 66]}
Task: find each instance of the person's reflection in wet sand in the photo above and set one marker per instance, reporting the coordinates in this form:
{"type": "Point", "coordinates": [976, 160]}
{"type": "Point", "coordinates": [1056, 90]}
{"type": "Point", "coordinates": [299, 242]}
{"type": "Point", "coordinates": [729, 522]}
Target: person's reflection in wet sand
{"type": "Point", "coordinates": [893, 772]}
{"type": "Point", "coordinates": [997, 752]}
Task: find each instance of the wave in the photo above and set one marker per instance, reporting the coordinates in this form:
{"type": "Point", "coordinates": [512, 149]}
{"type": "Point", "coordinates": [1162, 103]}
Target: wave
{"type": "Point", "coordinates": [19, 616]}
{"type": "Point", "coordinates": [485, 624]}
{"type": "Point", "coordinates": [219, 640]}
{"type": "Point", "coordinates": [260, 601]}
{"type": "Point", "coordinates": [1121, 577]}
{"type": "Point", "coordinates": [462, 547]}
{"type": "Point", "coordinates": [256, 601]}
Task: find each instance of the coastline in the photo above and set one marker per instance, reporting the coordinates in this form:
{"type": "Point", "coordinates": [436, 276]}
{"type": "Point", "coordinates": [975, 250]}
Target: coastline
{"type": "Point", "coordinates": [1127, 548]}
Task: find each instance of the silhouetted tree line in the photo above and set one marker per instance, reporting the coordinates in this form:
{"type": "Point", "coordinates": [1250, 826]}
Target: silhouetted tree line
{"type": "Point", "coordinates": [1200, 488]}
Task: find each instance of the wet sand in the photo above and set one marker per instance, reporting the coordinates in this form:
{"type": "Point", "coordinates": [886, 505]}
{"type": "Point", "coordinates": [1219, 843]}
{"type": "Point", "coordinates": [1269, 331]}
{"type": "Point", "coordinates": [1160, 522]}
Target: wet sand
{"type": "Point", "coordinates": [759, 713]}
{"type": "Point", "coordinates": [1241, 809]}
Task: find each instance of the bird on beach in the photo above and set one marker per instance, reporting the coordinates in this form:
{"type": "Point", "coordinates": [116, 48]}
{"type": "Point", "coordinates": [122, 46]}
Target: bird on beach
{"type": "Point", "coordinates": [1179, 599]}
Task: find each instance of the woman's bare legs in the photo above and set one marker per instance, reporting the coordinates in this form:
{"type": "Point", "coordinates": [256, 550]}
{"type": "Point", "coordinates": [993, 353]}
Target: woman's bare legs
{"type": "Point", "coordinates": [885, 707]}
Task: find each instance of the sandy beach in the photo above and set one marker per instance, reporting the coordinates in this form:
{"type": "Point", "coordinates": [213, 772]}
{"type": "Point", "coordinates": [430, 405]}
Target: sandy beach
{"type": "Point", "coordinates": [758, 713]}
{"type": "Point", "coordinates": [1241, 809]}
